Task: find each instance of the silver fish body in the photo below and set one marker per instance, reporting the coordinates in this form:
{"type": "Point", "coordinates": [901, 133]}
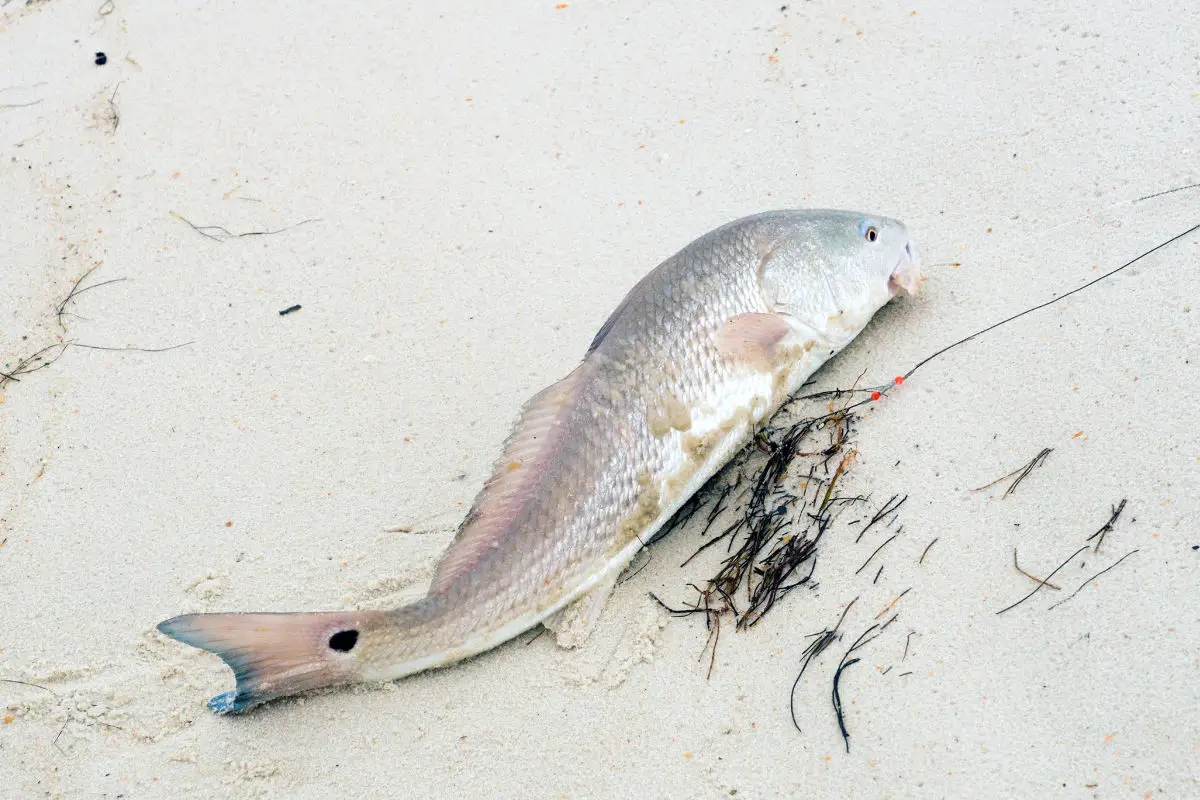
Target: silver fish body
{"type": "Point", "coordinates": [701, 352]}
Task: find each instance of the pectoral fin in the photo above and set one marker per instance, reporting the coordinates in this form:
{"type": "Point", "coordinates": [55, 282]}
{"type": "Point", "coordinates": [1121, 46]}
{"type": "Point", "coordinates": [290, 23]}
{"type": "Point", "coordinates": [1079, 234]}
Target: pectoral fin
{"type": "Point", "coordinates": [761, 340]}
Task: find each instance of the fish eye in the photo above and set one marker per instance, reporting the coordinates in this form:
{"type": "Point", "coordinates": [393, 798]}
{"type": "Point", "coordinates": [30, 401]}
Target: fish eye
{"type": "Point", "coordinates": [868, 231]}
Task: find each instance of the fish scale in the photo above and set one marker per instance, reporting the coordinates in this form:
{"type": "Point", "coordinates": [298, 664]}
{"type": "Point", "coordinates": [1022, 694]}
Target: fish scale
{"type": "Point", "coordinates": [697, 355]}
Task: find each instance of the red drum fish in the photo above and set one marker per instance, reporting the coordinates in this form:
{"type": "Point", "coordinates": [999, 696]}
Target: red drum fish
{"type": "Point", "coordinates": [698, 355]}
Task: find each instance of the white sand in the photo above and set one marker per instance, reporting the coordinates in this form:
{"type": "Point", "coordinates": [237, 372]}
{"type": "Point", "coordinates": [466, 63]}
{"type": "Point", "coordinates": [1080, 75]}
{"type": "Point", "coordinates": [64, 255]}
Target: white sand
{"type": "Point", "coordinates": [487, 185]}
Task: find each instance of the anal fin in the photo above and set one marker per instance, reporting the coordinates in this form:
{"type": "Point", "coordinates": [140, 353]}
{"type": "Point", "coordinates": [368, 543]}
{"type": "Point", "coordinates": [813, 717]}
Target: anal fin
{"type": "Point", "coordinates": [574, 624]}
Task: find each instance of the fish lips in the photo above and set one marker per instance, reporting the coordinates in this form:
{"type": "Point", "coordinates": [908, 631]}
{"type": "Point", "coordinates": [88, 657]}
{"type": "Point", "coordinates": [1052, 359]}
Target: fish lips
{"type": "Point", "coordinates": [907, 274]}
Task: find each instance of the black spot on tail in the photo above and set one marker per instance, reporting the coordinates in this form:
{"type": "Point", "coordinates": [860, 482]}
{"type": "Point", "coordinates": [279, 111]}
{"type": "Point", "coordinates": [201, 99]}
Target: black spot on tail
{"type": "Point", "coordinates": [343, 641]}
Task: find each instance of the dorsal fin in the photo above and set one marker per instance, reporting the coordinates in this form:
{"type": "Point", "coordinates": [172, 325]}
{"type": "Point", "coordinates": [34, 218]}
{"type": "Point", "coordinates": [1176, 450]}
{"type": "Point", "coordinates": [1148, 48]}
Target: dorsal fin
{"type": "Point", "coordinates": [636, 292]}
{"type": "Point", "coordinates": [522, 464]}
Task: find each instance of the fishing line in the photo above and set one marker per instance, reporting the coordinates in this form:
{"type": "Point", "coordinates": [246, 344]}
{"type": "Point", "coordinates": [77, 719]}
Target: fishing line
{"type": "Point", "coordinates": [1052, 300]}
{"type": "Point", "coordinates": [1123, 204]}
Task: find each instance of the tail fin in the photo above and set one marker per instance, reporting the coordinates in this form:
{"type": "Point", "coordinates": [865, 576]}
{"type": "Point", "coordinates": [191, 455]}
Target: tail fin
{"type": "Point", "coordinates": [273, 655]}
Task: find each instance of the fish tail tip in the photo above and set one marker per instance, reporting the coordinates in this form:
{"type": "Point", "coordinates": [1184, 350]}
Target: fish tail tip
{"type": "Point", "coordinates": [173, 627]}
{"type": "Point", "coordinates": [271, 655]}
{"type": "Point", "coordinates": [229, 703]}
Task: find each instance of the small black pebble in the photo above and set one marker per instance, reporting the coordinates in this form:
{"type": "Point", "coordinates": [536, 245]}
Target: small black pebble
{"type": "Point", "coordinates": [101, 59]}
{"type": "Point", "coordinates": [1196, 547]}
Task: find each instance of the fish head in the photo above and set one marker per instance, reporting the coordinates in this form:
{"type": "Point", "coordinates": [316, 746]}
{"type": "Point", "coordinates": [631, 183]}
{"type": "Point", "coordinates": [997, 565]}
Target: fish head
{"type": "Point", "coordinates": [839, 265]}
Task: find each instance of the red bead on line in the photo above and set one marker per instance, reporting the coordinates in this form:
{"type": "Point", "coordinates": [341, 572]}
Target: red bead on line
{"type": "Point", "coordinates": [875, 395]}
{"type": "Point", "coordinates": [899, 379]}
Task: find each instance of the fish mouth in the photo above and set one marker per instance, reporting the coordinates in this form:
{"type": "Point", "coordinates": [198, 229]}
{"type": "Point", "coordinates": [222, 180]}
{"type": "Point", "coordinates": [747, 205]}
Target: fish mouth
{"type": "Point", "coordinates": [907, 274]}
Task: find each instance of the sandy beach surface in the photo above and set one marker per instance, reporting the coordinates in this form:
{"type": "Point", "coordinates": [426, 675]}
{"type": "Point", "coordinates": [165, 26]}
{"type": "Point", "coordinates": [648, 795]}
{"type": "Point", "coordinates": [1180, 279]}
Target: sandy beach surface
{"type": "Point", "coordinates": [457, 194]}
